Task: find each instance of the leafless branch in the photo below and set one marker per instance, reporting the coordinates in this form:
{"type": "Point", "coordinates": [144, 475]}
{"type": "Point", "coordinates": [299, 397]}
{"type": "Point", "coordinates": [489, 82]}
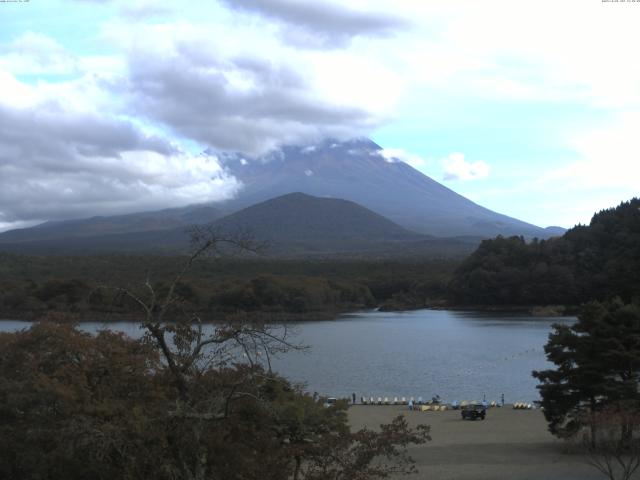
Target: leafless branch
{"type": "Point", "coordinates": [615, 449]}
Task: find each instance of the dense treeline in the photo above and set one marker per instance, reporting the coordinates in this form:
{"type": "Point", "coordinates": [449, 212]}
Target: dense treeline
{"type": "Point", "coordinates": [593, 262]}
{"type": "Point", "coordinates": [31, 286]}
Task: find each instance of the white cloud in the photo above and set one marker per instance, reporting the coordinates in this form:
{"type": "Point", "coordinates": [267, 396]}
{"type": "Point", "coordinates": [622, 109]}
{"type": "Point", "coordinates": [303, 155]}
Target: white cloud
{"type": "Point", "coordinates": [4, 226]}
{"type": "Point", "coordinates": [61, 158]}
{"type": "Point", "coordinates": [251, 93]}
{"type": "Point", "coordinates": [604, 171]}
{"type": "Point", "coordinates": [15, 93]}
{"type": "Point", "coordinates": [33, 53]}
{"type": "Point", "coordinates": [609, 158]}
{"type": "Point", "coordinates": [392, 155]}
{"type": "Point", "coordinates": [144, 9]}
{"type": "Point", "coordinates": [513, 50]}
{"type": "Point", "coordinates": [457, 168]}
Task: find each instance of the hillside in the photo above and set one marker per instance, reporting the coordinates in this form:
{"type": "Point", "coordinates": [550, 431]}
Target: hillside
{"type": "Point", "coordinates": [114, 225]}
{"type": "Point", "coordinates": [317, 223]}
{"type": "Point", "coordinates": [593, 262]}
{"type": "Point", "coordinates": [290, 225]}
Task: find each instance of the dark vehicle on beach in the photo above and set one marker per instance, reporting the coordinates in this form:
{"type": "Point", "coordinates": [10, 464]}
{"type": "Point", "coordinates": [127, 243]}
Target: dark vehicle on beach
{"type": "Point", "coordinates": [330, 402]}
{"type": "Point", "coordinates": [474, 411]}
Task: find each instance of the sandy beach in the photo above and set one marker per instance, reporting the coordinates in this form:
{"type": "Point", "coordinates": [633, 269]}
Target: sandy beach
{"type": "Point", "coordinates": [509, 444]}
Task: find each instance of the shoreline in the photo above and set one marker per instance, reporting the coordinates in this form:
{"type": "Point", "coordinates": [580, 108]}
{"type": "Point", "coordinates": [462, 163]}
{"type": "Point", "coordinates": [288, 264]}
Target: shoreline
{"type": "Point", "coordinates": [542, 311]}
{"type": "Point", "coordinates": [102, 317]}
{"type": "Point", "coordinates": [532, 310]}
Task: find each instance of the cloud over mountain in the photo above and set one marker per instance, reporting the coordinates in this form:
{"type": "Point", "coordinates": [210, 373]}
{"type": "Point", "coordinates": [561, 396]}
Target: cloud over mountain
{"type": "Point", "coordinates": [252, 75]}
{"type": "Point", "coordinates": [231, 101]}
{"type": "Point", "coordinates": [58, 160]}
{"type": "Point", "coordinates": [122, 132]}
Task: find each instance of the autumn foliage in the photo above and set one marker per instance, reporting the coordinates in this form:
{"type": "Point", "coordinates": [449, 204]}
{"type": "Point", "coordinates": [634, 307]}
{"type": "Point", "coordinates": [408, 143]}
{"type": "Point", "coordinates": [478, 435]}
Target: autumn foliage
{"type": "Point", "coordinates": [78, 406]}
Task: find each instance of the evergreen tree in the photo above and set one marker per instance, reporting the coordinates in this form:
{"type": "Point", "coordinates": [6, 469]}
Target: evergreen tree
{"type": "Point", "coordinates": [597, 364]}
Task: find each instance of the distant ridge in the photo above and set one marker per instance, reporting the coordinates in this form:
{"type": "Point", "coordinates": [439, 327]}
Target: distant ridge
{"type": "Point", "coordinates": [112, 225]}
{"type": "Point", "coordinates": [293, 224]}
{"type": "Point", "coordinates": [555, 231]}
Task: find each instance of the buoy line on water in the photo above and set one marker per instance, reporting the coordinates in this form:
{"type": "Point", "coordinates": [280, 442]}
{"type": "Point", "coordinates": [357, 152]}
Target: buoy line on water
{"type": "Point", "coordinates": [437, 405]}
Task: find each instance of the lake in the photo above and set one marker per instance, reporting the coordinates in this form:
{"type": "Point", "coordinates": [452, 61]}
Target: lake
{"type": "Point", "coordinates": [457, 355]}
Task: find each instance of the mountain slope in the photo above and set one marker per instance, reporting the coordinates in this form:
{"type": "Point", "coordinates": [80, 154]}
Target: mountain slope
{"type": "Point", "coordinates": [301, 217]}
{"type": "Point", "coordinates": [357, 171]}
{"type": "Point", "coordinates": [293, 224]}
{"type": "Point", "coordinates": [112, 225]}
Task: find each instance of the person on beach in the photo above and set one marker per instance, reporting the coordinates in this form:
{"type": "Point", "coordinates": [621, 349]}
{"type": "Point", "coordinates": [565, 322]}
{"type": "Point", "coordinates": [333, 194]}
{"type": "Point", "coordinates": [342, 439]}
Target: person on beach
{"type": "Point", "coordinates": [353, 398]}
{"type": "Point", "coordinates": [411, 404]}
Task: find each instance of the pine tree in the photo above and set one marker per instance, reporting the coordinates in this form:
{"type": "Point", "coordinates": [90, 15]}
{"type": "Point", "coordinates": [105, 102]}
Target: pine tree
{"type": "Point", "coordinates": [597, 364]}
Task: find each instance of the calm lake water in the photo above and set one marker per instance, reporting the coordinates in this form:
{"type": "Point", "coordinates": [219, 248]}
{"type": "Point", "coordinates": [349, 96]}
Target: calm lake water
{"type": "Point", "coordinates": [458, 355]}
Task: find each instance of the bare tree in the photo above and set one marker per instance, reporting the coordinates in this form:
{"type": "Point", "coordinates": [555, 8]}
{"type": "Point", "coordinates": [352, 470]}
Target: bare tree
{"type": "Point", "coordinates": [192, 352]}
{"type": "Point", "coordinates": [178, 332]}
{"type": "Point", "coordinates": [612, 444]}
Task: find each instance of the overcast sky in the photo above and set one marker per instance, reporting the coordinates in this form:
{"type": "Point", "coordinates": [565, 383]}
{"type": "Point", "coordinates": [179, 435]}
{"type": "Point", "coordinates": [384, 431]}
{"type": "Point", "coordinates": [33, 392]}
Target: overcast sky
{"type": "Point", "coordinates": [531, 108]}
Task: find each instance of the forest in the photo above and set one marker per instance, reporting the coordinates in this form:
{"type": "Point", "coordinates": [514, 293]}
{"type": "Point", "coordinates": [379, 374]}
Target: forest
{"type": "Point", "coordinates": [589, 262]}
{"type": "Point", "coordinates": [598, 261]}
{"type": "Point", "coordinates": [84, 286]}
